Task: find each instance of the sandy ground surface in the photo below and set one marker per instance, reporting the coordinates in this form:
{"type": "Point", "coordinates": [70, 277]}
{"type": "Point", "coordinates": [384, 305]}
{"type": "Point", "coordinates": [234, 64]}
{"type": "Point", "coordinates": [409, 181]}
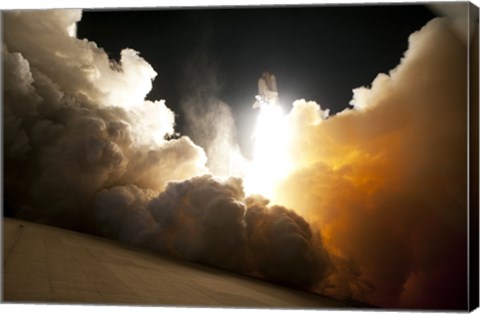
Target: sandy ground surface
{"type": "Point", "coordinates": [42, 264]}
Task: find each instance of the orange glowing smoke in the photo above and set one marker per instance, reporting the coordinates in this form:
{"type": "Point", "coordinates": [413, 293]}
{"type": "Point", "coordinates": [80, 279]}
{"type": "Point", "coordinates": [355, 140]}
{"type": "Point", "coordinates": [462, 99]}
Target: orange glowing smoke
{"type": "Point", "coordinates": [386, 181]}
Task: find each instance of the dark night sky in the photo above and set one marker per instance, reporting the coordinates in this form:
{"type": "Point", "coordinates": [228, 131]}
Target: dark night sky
{"type": "Point", "coordinates": [316, 52]}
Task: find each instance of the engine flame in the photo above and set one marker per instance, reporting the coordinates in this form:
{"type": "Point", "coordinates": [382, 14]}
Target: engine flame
{"type": "Point", "coordinates": [271, 159]}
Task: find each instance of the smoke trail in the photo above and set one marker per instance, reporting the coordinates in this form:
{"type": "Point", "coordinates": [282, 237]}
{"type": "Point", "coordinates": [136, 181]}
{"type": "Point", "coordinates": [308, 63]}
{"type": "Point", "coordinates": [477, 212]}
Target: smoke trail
{"type": "Point", "coordinates": [215, 131]}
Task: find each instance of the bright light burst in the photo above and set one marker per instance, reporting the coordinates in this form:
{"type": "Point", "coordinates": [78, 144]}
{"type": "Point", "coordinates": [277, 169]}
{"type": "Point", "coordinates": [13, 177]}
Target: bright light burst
{"type": "Point", "coordinates": [271, 160]}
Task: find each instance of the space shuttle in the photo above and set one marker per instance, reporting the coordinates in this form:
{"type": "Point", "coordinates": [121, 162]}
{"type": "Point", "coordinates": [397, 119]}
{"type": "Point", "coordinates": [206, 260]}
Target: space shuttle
{"type": "Point", "coordinates": [267, 90]}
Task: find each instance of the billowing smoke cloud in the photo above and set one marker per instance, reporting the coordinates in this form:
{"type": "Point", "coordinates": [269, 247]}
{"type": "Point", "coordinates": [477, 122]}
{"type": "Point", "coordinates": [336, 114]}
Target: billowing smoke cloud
{"type": "Point", "coordinates": [76, 122]}
{"type": "Point", "coordinates": [382, 186]}
{"type": "Point", "coordinates": [386, 181]}
{"type": "Point", "coordinates": [211, 222]}
{"type": "Point", "coordinates": [84, 150]}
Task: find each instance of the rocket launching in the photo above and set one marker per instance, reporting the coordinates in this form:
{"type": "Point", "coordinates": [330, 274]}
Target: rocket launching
{"type": "Point", "coordinates": [358, 205]}
{"type": "Point", "coordinates": [271, 139]}
{"type": "Point", "coordinates": [267, 90]}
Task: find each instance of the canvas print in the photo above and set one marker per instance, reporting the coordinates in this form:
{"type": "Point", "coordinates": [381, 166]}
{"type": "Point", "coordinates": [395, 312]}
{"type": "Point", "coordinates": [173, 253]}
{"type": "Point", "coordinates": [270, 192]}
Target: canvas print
{"type": "Point", "coordinates": [295, 156]}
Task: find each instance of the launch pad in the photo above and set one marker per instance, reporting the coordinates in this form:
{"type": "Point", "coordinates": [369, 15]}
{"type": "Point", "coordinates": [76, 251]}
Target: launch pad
{"type": "Point", "coordinates": [43, 264]}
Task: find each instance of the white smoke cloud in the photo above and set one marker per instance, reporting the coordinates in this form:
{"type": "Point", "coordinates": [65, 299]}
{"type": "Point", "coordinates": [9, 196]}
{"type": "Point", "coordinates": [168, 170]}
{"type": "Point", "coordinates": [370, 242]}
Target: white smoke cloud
{"type": "Point", "coordinates": [77, 122]}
